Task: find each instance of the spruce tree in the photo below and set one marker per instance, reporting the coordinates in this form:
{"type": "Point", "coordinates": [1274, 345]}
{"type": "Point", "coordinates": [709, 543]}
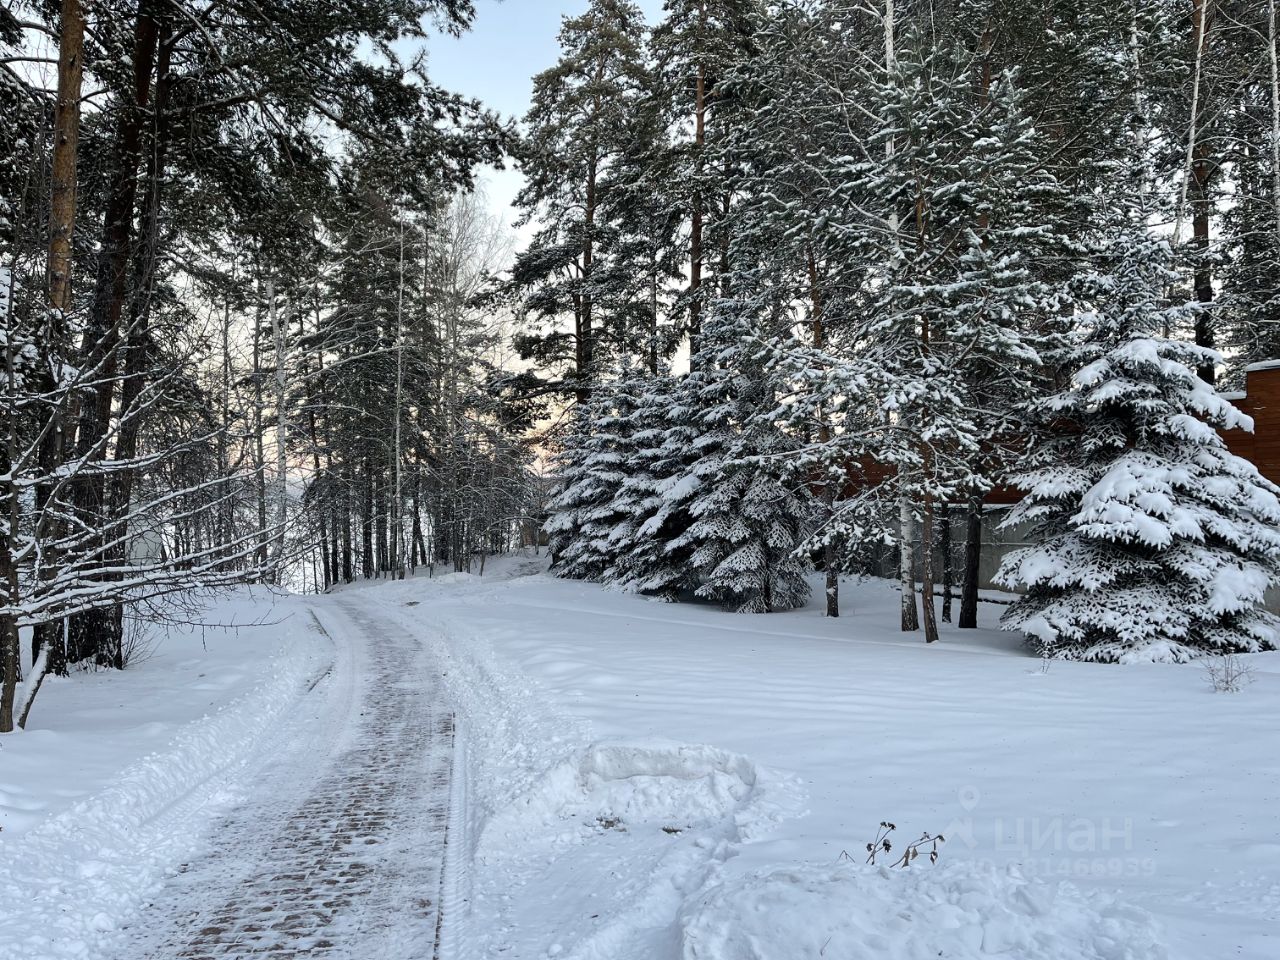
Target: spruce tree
{"type": "Point", "coordinates": [747, 524]}
{"type": "Point", "coordinates": [1154, 542]}
{"type": "Point", "coordinates": [594, 465]}
{"type": "Point", "coordinates": [656, 494]}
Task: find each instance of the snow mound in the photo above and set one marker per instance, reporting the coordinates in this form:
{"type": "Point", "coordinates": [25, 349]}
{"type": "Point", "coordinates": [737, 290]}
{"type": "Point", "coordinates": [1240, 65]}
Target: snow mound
{"type": "Point", "coordinates": [648, 784]}
{"type": "Point", "coordinates": [624, 832]}
{"type": "Point", "coordinates": [962, 911]}
{"type": "Point", "coordinates": [450, 578]}
{"type": "Point", "coordinates": [74, 878]}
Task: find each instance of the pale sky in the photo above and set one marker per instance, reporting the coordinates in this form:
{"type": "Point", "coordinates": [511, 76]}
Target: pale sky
{"type": "Point", "coordinates": [512, 40]}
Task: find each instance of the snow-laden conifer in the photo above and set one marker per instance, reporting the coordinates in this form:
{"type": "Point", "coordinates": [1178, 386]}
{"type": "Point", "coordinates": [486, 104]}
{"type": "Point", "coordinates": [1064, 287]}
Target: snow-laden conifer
{"type": "Point", "coordinates": [590, 471]}
{"type": "Point", "coordinates": [1154, 541]}
{"type": "Point", "coordinates": [747, 524]}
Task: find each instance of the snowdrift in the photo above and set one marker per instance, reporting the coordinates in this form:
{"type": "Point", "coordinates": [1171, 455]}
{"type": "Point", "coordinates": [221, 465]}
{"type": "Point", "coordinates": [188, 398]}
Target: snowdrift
{"type": "Point", "coordinates": [961, 911]}
{"type": "Point", "coordinates": [71, 880]}
{"type": "Point", "coordinates": [661, 785]}
{"type": "Point", "coordinates": [623, 832]}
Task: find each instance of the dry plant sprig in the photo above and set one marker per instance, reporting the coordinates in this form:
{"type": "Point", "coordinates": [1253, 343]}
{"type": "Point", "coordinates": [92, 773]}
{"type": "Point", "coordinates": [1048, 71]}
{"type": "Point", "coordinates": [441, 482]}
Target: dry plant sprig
{"type": "Point", "coordinates": [1228, 673]}
{"type": "Point", "coordinates": [882, 845]}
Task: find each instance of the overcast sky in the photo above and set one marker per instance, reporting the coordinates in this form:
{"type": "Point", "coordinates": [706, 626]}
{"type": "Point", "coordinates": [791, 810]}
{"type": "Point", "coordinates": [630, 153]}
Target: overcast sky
{"type": "Point", "coordinates": [512, 40]}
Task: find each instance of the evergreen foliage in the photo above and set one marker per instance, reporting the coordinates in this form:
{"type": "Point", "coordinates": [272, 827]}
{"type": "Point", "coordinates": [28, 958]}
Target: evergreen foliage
{"type": "Point", "coordinates": [1154, 542]}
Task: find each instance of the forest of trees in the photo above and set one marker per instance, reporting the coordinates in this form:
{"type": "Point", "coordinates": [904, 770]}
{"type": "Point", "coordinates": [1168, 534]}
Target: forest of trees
{"type": "Point", "coordinates": [244, 339]}
{"type": "Point", "coordinates": [805, 281]}
{"type": "Point", "coordinates": [912, 251]}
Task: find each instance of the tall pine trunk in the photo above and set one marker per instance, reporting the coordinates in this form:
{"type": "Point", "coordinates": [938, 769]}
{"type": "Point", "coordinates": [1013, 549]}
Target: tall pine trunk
{"type": "Point", "coordinates": [137, 345]}
{"type": "Point", "coordinates": [62, 220]}
{"type": "Point", "coordinates": [89, 633]}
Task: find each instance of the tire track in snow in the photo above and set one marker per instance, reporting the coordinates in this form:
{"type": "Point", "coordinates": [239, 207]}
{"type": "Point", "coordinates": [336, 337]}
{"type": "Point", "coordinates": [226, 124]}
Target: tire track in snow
{"type": "Point", "coordinates": [338, 851]}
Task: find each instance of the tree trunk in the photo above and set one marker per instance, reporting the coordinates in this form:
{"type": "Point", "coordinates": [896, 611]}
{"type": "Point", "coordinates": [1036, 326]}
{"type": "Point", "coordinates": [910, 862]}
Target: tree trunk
{"type": "Point", "coordinates": [926, 565]}
{"type": "Point", "coordinates": [368, 561]}
{"type": "Point", "coordinates": [1272, 40]}
{"type": "Point", "coordinates": [62, 219]}
{"type": "Point", "coordinates": [9, 653]}
{"type": "Point", "coordinates": [948, 568]}
{"type": "Point", "coordinates": [89, 633]}
{"type": "Point", "coordinates": [830, 565]}
{"type": "Point", "coordinates": [102, 331]}
{"type": "Point", "coordinates": [1197, 172]}
{"type": "Point", "coordinates": [66, 148]}
{"type": "Point", "coordinates": [348, 565]}
{"type": "Point", "coordinates": [417, 544]}
{"type": "Point", "coordinates": [586, 332]}
{"type": "Point", "coordinates": [226, 510]}
{"type": "Point", "coordinates": [259, 448]}
{"type": "Point", "coordinates": [906, 562]}
{"type": "Point", "coordinates": [972, 561]}
{"type": "Point", "coordinates": [1202, 203]}
{"type": "Point", "coordinates": [137, 346]}
{"type": "Point", "coordinates": [695, 226]}
{"type": "Point", "coordinates": [282, 434]}
{"type": "Point", "coordinates": [397, 493]}
{"type": "Point", "coordinates": [8, 665]}
{"type": "Point", "coordinates": [653, 313]}
{"type": "Point", "coordinates": [381, 533]}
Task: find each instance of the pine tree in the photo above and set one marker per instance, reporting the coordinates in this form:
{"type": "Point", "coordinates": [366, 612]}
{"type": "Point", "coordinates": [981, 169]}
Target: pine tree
{"type": "Point", "coordinates": [1154, 541]}
{"type": "Point", "coordinates": [697, 46]}
{"type": "Point", "coordinates": [579, 126]}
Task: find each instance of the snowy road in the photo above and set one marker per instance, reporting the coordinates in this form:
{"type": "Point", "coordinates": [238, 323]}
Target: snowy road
{"type": "Point", "coordinates": [337, 850]}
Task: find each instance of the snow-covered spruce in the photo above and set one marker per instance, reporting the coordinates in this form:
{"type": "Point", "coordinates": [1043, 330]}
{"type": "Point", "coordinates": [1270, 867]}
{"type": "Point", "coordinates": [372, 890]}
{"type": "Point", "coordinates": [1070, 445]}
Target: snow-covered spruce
{"type": "Point", "coordinates": [650, 505]}
{"type": "Point", "coordinates": [1155, 542]}
{"type": "Point", "coordinates": [590, 472]}
{"type": "Point", "coordinates": [748, 526]}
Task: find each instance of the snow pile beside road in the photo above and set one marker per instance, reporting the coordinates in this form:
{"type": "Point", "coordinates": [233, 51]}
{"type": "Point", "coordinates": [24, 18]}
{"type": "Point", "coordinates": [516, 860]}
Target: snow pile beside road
{"type": "Point", "coordinates": [962, 911]}
{"type": "Point", "coordinates": [70, 880]}
{"type": "Point", "coordinates": [661, 785]}
{"type": "Point", "coordinates": [585, 849]}
{"type": "Point", "coordinates": [623, 832]}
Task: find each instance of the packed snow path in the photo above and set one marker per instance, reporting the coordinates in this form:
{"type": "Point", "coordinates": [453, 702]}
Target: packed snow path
{"type": "Point", "coordinates": [335, 854]}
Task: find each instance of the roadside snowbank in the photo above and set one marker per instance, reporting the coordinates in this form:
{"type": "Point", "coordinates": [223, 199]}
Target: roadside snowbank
{"type": "Point", "coordinates": [579, 848]}
{"type": "Point", "coordinates": [656, 785]}
{"type": "Point", "coordinates": [74, 876]}
{"type": "Point", "coordinates": [1136, 785]}
{"type": "Point", "coordinates": [957, 910]}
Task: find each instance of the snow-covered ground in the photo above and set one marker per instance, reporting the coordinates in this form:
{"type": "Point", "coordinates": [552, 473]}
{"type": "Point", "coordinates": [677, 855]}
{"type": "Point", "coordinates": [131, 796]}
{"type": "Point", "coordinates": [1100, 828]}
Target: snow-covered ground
{"type": "Point", "coordinates": [119, 775]}
{"type": "Point", "coordinates": [655, 780]}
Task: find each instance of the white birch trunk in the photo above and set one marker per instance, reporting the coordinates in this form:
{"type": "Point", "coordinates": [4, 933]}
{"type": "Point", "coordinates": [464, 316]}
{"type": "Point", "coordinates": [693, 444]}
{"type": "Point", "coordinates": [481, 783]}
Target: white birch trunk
{"type": "Point", "coordinates": [1275, 115]}
{"type": "Point", "coordinates": [282, 432]}
{"type": "Point", "coordinates": [1193, 127]}
{"type": "Point", "coordinates": [906, 522]}
{"type": "Point", "coordinates": [397, 522]}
